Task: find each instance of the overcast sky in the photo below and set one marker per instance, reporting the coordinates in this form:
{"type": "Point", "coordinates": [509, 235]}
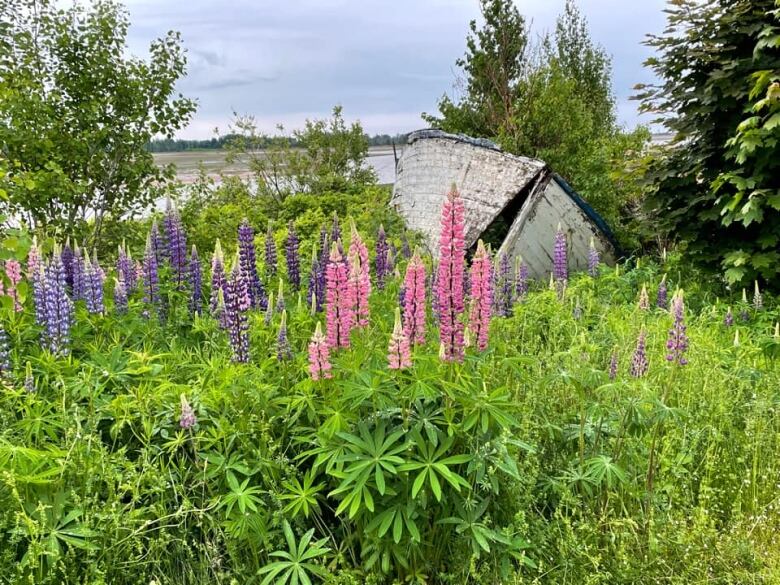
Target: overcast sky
{"type": "Point", "coordinates": [385, 61]}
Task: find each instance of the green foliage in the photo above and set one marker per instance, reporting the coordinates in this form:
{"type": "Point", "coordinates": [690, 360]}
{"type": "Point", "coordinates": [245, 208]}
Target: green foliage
{"type": "Point", "coordinates": [552, 101]}
{"type": "Point", "coordinates": [77, 113]}
{"type": "Point", "coordinates": [326, 155]}
{"type": "Point", "coordinates": [719, 94]}
{"type": "Point", "coordinates": [526, 463]}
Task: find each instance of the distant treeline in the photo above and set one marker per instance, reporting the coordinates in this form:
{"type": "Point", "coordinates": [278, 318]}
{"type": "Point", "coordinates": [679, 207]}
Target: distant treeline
{"type": "Point", "coordinates": [180, 145]}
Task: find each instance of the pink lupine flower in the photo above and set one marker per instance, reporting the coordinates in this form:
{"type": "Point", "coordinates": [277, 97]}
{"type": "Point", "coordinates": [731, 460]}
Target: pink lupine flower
{"type": "Point", "coordinates": [398, 353]}
{"type": "Point", "coordinates": [414, 300]}
{"type": "Point", "coordinates": [319, 355]}
{"type": "Point", "coordinates": [338, 300]}
{"type": "Point", "coordinates": [481, 295]}
{"type": "Point", "coordinates": [449, 281]}
{"type": "Point", "coordinates": [13, 270]}
{"type": "Point", "coordinates": [358, 263]}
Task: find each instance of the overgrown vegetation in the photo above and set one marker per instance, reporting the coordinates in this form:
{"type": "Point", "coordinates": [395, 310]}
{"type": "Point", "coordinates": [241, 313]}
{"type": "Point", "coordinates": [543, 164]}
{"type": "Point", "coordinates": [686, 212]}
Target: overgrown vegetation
{"type": "Point", "coordinates": [720, 95]}
{"type": "Point", "coordinates": [146, 453]}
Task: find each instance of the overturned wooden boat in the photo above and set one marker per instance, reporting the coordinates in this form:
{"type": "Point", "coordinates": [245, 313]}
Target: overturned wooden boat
{"type": "Point", "coordinates": [514, 201]}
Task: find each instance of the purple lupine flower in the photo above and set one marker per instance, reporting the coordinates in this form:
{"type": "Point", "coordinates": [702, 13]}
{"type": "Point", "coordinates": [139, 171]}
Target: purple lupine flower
{"type": "Point", "coordinates": [728, 320]}
{"type": "Point", "coordinates": [187, 420]}
{"type": "Point", "coordinates": [124, 267]}
{"type": "Point", "coordinates": [661, 300]}
{"type": "Point", "coordinates": [291, 245]}
{"type": "Point", "coordinates": [93, 287]}
{"type": "Point", "coordinates": [521, 278]}
{"type": "Point", "coordinates": [67, 263]}
{"type": "Point", "coordinates": [613, 365]}
{"type": "Point", "coordinates": [593, 259]}
{"type": "Point", "coordinates": [29, 380]}
{"type": "Point", "coordinates": [151, 278]}
{"type": "Point", "coordinates": [237, 303]}
{"type": "Point", "coordinates": [120, 296]}
{"type": "Point", "coordinates": [324, 245]}
{"type": "Point", "coordinates": [80, 282]}
{"type": "Point", "coordinates": [218, 278]}
{"type": "Point", "coordinates": [156, 243]}
{"type": "Point", "coordinates": [283, 349]}
{"type": "Point", "coordinates": [381, 258]}
{"type": "Point", "coordinates": [639, 363]}
{"type": "Point", "coordinates": [406, 250]}
{"type": "Point", "coordinates": [560, 258]}
{"type": "Point", "coordinates": [248, 265]}
{"type": "Point", "coordinates": [177, 246]}
{"type": "Point", "coordinates": [39, 294]}
{"type": "Point", "coordinates": [504, 287]}
{"type": "Point", "coordinates": [58, 307]}
{"type": "Point", "coordinates": [5, 355]}
{"type": "Point", "coordinates": [677, 342]}
{"type": "Point", "coordinates": [270, 252]}
{"type": "Point", "coordinates": [196, 282]}
{"type": "Point", "coordinates": [335, 231]}
{"type": "Point", "coordinates": [402, 297]}
{"type": "Point", "coordinates": [316, 292]}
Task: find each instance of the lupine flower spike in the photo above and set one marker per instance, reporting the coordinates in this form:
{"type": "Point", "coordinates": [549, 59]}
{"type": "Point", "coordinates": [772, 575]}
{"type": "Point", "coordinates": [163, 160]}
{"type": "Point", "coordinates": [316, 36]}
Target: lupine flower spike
{"type": "Point", "coordinates": [728, 320]}
{"type": "Point", "coordinates": [736, 338]}
{"type": "Point", "coordinates": [283, 349]}
{"type": "Point", "coordinates": [29, 380]}
{"type": "Point", "coordinates": [758, 298]}
{"type": "Point", "coordinates": [319, 355]}
{"type": "Point", "coordinates": [661, 299]}
{"type": "Point", "coordinates": [177, 246]}
{"type": "Point", "coordinates": [644, 299]}
{"type": "Point", "coordinates": [316, 292]}
{"type": "Point", "coordinates": [414, 300]}
{"type": "Point", "coordinates": [613, 364]}
{"type": "Point", "coordinates": [777, 331]}
{"type": "Point", "coordinates": [449, 280]}
{"type": "Point", "coordinates": [58, 308]}
{"type": "Point", "coordinates": [360, 274]}
{"type": "Point", "coordinates": [677, 342]}
{"type": "Point", "coordinates": [744, 314]}
{"type": "Point", "coordinates": [398, 353]}
{"type": "Point", "coordinates": [187, 420]}
{"type": "Point", "coordinates": [504, 292]}
{"type": "Point", "coordinates": [560, 257]}
{"type": "Point", "coordinates": [481, 296]}
{"type": "Point", "coordinates": [218, 280]}
{"type": "Point", "coordinates": [338, 300]}
{"type": "Point", "coordinates": [593, 259]}
{"type": "Point", "coordinates": [291, 245]}
{"type": "Point", "coordinates": [5, 355]}
{"type": "Point", "coordinates": [33, 259]}
{"type": "Point", "coordinates": [381, 260]}
{"type": "Point", "coordinates": [237, 303]}
{"type": "Point", "coordinates": [120, 296]}
{"type": "Point", "coordinates": [150, 277]}
{"type": "Point", "coordinates": [269, 311]}
{"type": "Point", "coordinates": [639, 363]}
{"type": "Point", "coordinates": [13, 270]}
{"type": "Point", "coordinates": [521, 278]}
{"type": "Point", "coordinates": [248, 265]}
{"type": "Point", "coordinates": [196, 282]}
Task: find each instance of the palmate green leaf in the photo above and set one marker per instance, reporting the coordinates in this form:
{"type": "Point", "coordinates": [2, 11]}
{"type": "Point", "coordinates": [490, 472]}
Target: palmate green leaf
{"type": "Point", "coordinates": [433, 464]}
{"type": "Point", "coordinates": [295, 565]}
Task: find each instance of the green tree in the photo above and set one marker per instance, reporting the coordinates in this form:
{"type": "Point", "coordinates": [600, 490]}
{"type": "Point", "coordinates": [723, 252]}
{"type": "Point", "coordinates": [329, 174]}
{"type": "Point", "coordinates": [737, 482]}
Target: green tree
{"type": "Point", "coordinates": [551, 101]}
{"type": "Point", "coordinates": [325, 155]}
{"type": "Point", "coordinates": [718, 182]}
{"type": "Point", "coordinates": [76, 113]}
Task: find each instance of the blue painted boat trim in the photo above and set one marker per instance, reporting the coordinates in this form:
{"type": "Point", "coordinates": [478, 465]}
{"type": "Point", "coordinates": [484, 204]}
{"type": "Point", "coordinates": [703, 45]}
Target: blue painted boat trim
{"type": "Point", "coordinates": [590, 212]}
